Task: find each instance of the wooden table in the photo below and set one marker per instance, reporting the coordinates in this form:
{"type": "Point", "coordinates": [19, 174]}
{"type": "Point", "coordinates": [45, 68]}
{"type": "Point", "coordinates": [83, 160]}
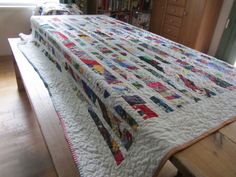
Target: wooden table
{"type": "Point", "coordinates": [213, 156]}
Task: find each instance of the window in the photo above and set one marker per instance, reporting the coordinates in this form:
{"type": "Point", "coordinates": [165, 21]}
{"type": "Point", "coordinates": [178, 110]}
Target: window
{"type": "Point", "coordinates": [23, 2]}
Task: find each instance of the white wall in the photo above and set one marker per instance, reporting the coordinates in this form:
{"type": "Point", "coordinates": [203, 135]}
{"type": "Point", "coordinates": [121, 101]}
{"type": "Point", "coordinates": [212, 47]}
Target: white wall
{"type": "Point", "coordinates": [224, 14]}
{"type": "Point", "coordinates": [13, 20]}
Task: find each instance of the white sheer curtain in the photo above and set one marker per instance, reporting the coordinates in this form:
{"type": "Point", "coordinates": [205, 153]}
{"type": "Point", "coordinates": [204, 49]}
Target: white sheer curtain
{"type": "Point", "coordinates": [23, 2]}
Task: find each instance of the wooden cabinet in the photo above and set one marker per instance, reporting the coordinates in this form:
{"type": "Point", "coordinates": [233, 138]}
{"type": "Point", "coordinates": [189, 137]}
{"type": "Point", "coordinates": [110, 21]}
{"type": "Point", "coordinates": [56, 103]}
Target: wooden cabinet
{"type": "Point", "coordinates": [189, 22]}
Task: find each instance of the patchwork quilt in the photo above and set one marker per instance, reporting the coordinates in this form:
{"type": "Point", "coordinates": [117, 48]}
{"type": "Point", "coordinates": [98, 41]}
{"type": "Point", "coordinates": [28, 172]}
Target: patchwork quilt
{"type": "Point", "coordinates": [146, 95]}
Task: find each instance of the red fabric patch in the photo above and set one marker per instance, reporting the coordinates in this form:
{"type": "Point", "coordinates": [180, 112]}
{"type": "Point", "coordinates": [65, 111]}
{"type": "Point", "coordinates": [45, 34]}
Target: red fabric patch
{"type": "Point", "coordinates": [157, 84]}
{"type": "Point", "coordinates": [118, 157]}
{"type": "Point", "coordinates": [67, 57]}
{"type": "Point", "coordinates": [69, 44]}
{"type": "Point", "coordinates": [62, 35]}
{"type": "Point", "coordinates": [90, 62]}
{"type": "Point", "coordinates": [132, 67]}
{"type": "Point", "coordinates": [144, 111]}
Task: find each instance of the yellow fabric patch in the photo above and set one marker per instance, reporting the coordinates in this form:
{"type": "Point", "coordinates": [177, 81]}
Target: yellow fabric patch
{"type": "Point", "coordinates": [99, 68]}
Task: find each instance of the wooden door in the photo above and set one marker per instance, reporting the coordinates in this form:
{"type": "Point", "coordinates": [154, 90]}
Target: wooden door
{"type": "Point", "coordinates": [193, 14]}
{"type": "Point", "coordinates": [208, 24]}
{"type": "Point", "coordinates": [157, 16]}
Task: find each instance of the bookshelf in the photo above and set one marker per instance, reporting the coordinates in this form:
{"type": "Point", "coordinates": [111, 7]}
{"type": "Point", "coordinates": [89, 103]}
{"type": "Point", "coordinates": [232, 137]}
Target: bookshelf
{"type": "Point", "coordinates": [119, 9]}
{"type": "Point", "coordinates": [136, 12]}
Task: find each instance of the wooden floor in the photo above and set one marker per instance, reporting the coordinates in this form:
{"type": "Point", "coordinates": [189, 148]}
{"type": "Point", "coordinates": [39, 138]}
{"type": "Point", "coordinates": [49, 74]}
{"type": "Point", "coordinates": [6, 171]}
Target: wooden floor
{"type": "Point", "coordinates": [23, 152]}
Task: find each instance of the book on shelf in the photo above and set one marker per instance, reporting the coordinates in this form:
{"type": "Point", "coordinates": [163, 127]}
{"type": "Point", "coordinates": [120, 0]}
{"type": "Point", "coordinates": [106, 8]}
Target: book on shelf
{"type": "Point", "coordinates": [114, 5]}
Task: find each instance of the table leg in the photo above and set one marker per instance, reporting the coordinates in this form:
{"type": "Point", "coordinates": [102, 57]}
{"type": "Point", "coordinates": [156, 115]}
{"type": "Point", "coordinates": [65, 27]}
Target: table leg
{"type": "Point", "coordinates": [19, 82]}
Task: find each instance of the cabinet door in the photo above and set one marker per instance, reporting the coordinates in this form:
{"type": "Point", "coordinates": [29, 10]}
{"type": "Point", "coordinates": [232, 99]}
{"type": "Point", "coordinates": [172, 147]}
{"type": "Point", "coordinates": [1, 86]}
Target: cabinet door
{"type": "Point", "coordinates": [157, 16]}
{"type": "Point", "coordinates": [175, 10]}
{"type": "Point", "coordinates": [177, 2]}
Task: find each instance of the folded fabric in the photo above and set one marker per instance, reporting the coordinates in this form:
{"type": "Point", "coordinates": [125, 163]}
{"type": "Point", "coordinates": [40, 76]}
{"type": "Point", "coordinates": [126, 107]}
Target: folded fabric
{"type": "Point", "coordinates": [57, 9]}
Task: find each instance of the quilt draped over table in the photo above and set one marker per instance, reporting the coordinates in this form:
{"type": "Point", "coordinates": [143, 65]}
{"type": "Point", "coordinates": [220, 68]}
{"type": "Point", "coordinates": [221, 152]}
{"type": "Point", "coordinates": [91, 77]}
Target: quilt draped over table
{"type": "Point", "coordinates": [145, 94]}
